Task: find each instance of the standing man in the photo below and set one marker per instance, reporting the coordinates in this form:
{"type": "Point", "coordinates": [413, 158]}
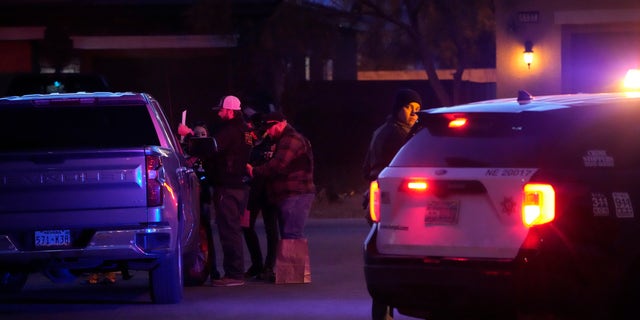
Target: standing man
{"type": "Point", "coordinates": [390, 136]}
{"type": "Point", "coordinates": [225, 168]}
{"type": "Point", "coordinates": [289, 175]}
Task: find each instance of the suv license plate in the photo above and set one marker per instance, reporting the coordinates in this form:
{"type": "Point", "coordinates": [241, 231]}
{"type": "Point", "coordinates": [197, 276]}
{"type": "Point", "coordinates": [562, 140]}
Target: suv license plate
{"type": "Point", "coordinates": [441, 212]}
{"type": "Point", "coordinates": [52, 238]}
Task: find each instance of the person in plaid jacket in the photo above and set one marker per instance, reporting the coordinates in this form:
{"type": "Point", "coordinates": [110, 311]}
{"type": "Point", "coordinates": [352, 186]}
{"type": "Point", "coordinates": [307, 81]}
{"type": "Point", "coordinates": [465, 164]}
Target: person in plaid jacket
{"type": "Point", "coordinates": [289, 175]}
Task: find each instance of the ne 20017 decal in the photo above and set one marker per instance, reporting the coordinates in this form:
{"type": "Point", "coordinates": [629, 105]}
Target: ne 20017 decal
{"type": "Point", "coordinates": [509, 172]}
{"type": "Point", "coordinates": [622, 205]}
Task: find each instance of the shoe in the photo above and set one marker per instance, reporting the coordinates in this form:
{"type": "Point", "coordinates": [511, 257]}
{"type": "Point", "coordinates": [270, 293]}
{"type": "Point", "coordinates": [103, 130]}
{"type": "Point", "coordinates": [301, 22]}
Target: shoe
{"type": "Point", "coordinates": [227, 282]}
{"type": "Point", "coordinates": [268, 275]}
{"type": "Point", "coordinates": [252, 273]}
{"type": "Point", "coordinates": [215, 276]}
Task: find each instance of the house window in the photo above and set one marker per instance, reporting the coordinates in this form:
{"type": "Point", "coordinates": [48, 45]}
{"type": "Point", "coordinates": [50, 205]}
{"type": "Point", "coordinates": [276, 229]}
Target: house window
{"type": "Point", "coordinates": [327, 72]}
{"type": "Point", "coordinates": [307, 68]}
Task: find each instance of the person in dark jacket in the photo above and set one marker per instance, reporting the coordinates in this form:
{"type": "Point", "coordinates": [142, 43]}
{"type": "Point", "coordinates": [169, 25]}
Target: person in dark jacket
{"type": "Point", "coordinates": [225, 169]}
{"type": "Point", "coordinates": [289, 175]}
{"type": "Point", "coordinates": [392, 134]}
{"type": "Point", "coordinates": [259, 204]}
{"type": "Point", "coordinates": [200, 131]}
{"type": "Point", "coordinates": [388, 138]}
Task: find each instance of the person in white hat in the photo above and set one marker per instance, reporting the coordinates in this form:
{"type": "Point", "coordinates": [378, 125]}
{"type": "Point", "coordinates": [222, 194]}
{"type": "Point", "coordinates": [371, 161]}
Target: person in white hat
{"type": "Point", "coordinates": [225, 168]}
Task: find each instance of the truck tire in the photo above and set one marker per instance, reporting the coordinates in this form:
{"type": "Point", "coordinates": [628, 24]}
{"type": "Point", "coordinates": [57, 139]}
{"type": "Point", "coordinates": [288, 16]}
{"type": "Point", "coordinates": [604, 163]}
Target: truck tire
{"type": "Point", "coordinates": [12, 282]}
{"type": "Point", "coordinates": [381, 311]}
{"type": "Point", "coordinates": [197, 262]}
{"type": "Point", "coordinates": [165, 280]}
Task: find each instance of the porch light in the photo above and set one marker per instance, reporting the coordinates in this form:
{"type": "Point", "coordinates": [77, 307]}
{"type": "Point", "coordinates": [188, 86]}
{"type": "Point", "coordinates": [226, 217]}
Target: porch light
{"type": "Point", "coordinates": [528, 53]}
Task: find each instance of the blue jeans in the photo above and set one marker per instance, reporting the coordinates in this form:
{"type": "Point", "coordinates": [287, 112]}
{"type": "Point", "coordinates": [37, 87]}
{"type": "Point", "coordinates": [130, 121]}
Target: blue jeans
{"type": "Point", "coordinates": [229, 205]}
{"type": "Point", "coordinates": [293, 214]}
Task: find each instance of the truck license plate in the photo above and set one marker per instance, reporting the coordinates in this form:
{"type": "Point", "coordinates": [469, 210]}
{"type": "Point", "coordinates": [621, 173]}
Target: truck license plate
{"type": "Point", "coordinates": [441, 212]}
{"type": "Point", "coordinates": [53, 238]}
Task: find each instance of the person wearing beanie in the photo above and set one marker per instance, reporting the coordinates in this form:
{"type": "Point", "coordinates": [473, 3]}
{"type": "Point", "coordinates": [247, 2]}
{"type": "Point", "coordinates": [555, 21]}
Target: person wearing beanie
{"type": "Point", "coordinates": [392, 134]}
{"type": "Point", "coordinates": [403, 98]}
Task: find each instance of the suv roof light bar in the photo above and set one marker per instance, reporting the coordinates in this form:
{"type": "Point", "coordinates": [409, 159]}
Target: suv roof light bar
{"type": "Point", "coordinates": [524, 97]}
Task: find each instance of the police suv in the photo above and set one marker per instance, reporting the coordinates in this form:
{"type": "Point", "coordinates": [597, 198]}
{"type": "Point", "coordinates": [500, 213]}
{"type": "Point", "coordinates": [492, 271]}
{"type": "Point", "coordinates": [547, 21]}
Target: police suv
{"type": "Point", "coordinates": [511, 206]}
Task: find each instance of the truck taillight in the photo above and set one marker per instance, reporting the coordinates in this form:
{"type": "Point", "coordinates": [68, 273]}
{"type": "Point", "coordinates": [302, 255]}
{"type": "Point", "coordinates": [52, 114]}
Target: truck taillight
{"type": "Point", "coordinates": [155, 192]}
{"type": "Point", "coordinates": [538, 204]}
{"type": "Point", "coordinates": [374, 201]}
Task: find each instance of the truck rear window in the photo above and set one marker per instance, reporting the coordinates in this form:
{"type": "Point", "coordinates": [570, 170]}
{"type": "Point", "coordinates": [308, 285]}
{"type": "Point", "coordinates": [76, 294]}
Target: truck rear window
{"type": "Point", "coordinates": [26, 128]}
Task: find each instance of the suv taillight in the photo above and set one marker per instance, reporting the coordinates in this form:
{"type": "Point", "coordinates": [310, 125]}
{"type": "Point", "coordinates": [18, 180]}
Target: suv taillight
{"type": "Point", "coordinates": [538, 204]}
{"type": "Point", "coordinates": [374, 201]}
{"type": "Point", "coordinates": [155, 192]}
{"type": "Point", "coordinates": [458, 123]}
{"type": "Point", "coordinates": [415, 185]}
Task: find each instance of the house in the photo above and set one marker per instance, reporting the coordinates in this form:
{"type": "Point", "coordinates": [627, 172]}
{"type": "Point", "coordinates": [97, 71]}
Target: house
{"type": "Point", "coordinates": [180, 51]}
{"type": "Point", "coordinates": [187, 53]}
{"type": "Point", "coordinates": [576, 45]}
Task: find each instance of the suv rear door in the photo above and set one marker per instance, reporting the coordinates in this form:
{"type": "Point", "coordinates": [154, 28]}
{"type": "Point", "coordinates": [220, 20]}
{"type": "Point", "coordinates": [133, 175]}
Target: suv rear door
{"type": "Point", "coordinates": [476, 173]}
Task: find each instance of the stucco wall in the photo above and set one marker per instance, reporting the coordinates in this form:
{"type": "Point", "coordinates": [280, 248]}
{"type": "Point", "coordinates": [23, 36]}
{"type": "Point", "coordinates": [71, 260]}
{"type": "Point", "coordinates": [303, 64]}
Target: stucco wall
{"type": "Point", "coordinates": [549, 34]}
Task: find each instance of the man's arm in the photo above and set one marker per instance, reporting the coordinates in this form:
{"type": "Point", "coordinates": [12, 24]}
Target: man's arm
{"type": "Point", "coordinates": [286, 151]}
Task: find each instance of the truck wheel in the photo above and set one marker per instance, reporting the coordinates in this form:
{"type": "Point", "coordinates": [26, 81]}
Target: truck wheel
{"type": "Point", "coordinates": [197, 263]}
{"type": "Point", "coordinates": [381, 311]}
{"type": "Point", "coordinates": [165, 280]}
{"type": "Point", "coordinates": [12, 281]}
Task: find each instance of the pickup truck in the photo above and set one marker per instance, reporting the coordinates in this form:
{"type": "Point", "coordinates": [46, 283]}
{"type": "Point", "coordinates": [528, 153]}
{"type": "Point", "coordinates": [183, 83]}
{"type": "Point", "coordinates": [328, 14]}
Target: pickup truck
{"type": "Point", "coordinates": [96, 182]}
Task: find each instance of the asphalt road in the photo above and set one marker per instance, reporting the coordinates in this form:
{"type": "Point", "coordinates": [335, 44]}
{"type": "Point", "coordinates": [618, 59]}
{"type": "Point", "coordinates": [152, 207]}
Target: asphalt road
{"type": "Point", "coordinates": [337, 290]}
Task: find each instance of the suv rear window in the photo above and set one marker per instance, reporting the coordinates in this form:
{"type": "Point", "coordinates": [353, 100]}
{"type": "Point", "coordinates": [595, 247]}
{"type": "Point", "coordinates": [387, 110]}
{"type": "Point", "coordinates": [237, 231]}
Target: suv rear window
{"type": "Point", "coordinates": [24, 128]}
{"type": "Point", "coordinates": [560, 138]}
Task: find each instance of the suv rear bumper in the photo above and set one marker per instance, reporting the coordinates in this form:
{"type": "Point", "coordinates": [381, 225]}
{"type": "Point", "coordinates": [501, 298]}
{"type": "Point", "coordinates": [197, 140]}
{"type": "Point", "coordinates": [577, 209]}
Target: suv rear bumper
{"type": "Point", "coordinates": [534, 280]}
{"type": "Point", "coordinates": [416, 283]}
